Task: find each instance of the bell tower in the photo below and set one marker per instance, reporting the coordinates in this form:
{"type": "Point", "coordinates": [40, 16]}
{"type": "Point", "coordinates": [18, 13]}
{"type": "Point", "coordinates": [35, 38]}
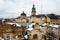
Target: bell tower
{"type": "Point", "coordinates": [33, 10]}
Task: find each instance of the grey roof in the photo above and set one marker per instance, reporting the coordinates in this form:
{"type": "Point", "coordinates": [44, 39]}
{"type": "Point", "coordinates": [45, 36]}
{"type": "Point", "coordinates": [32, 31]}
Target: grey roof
{"type": "Point", "coordinates": [38, 16]}
{"type": "Point", "coordinates": [52, 16]}
{"type": "Point", "coordinates": [24, 24]}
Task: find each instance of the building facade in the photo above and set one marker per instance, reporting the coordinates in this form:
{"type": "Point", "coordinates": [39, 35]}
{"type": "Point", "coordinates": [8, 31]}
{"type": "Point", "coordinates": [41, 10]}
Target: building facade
{"type": "Point", "coordinates": [9, 32]}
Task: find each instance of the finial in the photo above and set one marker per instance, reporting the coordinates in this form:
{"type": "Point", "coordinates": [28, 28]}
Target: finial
{"type": "Point", "coordinates": [23, 11]}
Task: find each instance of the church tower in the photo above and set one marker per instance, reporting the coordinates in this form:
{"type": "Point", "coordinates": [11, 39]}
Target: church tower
{"type": "Point", "coordinates": [33, 10]}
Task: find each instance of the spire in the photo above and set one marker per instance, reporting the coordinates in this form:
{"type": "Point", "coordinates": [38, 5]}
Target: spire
{"type": "Point", "coordinates": [23, 11]}
{"type": "Point", "coordinates": [33, 7]}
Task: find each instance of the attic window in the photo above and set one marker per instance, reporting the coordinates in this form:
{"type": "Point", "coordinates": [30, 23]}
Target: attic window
{"type": "Point", "coordinates": [35, 36]}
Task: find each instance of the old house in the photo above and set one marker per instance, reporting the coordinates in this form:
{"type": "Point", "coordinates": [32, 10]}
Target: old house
{"type": "Point", "coordinates": [54, 32]}
{"type": "Point", "coordinates": [37, 32]}
{"type": "Point", "coordinates": [9, 32]}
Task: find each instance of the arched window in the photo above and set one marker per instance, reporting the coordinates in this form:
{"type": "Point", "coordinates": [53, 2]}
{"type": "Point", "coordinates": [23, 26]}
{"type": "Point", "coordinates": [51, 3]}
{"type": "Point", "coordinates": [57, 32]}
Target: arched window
{"type": "Point", "coordinates": [35, 36]}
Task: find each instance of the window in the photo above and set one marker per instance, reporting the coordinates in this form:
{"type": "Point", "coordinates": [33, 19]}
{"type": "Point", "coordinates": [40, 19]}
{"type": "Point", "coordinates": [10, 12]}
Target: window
{"type": "Point", "coordinates": [57, 23]}
{"type": "Point", "coordinates": [59, 38]}
{"type": "Point", "coordinates": [35, 36]}
{"type": "Point", "coordinates": [44, 36]}
{"type": "Point", "coordinates": [33, 26]}
{"type": "Point", "coordinates": [48, 22]}
{"type": "Point", "coordinates": [53, 23]}
{"type": "Point", "coordinates": [8, 37]}
{"type": "Point", "coordinates": [32, 21]}
{"type": "Point", "coordinates": [19, 36]}
{"type": "Point", "coordinates": [55, 31]}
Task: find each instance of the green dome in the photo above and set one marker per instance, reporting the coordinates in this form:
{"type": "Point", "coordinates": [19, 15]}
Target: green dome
{"type": "Point", "coordinates": [33, 8]}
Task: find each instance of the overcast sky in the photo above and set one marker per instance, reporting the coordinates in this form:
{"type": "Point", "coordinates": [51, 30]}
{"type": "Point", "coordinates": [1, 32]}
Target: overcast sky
{"type": "Point", "coordinates": [13, 8]}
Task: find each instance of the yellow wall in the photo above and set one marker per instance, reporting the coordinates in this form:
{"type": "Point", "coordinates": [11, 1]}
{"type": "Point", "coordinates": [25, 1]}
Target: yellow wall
{"type": "Point", "coordinates": [21, 19]}
{"type": "Point", "coordinates": [11, 35]}
{"type": "Point", "coordinates": [39, 34]}
{"type": "Point", "coordinates": [53, 21]}
{"type": "Point", "coordinates": [37, 20]}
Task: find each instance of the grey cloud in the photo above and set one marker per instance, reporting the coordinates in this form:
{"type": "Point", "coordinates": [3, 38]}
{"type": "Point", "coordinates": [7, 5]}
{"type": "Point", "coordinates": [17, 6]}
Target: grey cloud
{"type": "Point", "coordinates": [12, 7]}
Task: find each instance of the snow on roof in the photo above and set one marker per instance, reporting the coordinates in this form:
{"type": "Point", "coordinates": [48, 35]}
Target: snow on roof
{"type": "Point", "coordinates": [26, 36]}
{"type": "Point", "coordinates": [50, 24]}
{"type": "Point", "coordinates": [24, 24]}
{"type": "Point", "coordinates": [14, 23]}
{"type": "Point", "coordinates": [41, 28]}
{"type": "Point", "coordinates": [18, 24]}
{"type": "Point", "coordinates": [55, 26]}
{"type": "Point", "coordinates": [44, 24]}
{"type": "Point", "coordinates": [11, 23]}
{"type": "Point", "coordinates": [30, 26]}
{"type": "Point", "coordinates": [30, 29]}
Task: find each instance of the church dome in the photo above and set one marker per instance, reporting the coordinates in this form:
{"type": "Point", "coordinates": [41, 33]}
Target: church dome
{"type": "Point", "coordinates": [23, 14]}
